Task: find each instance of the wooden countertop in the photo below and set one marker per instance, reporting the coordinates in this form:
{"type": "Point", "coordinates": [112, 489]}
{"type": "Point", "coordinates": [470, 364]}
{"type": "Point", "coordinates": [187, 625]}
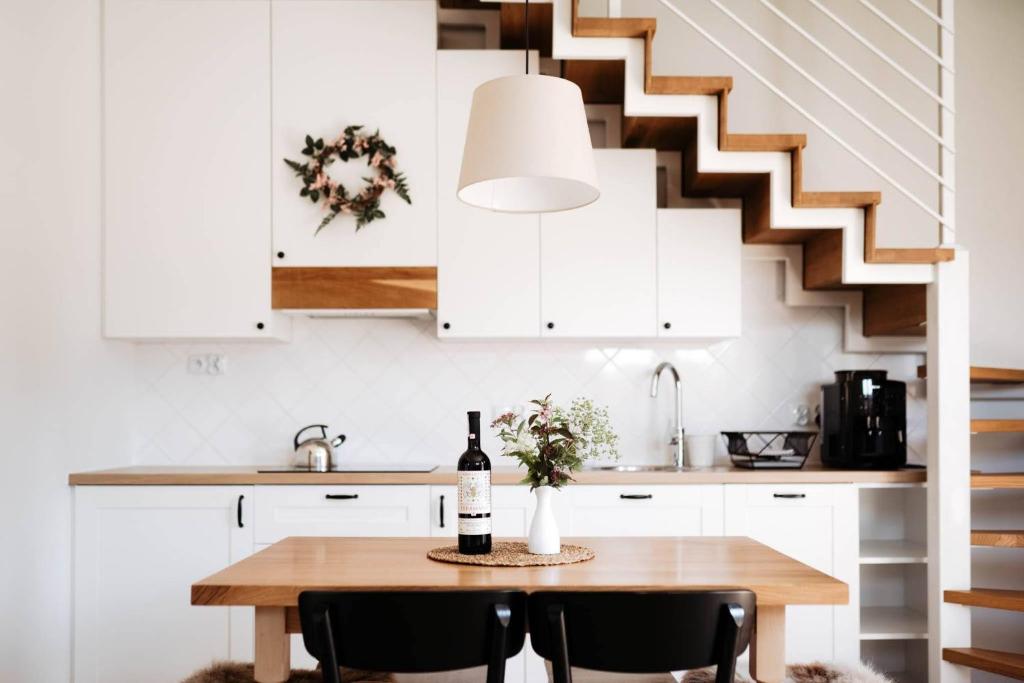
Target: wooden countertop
{"type": "Point", "coordinates": [243, 475]}
{"type": "Point", "coordinates": [274, 577]}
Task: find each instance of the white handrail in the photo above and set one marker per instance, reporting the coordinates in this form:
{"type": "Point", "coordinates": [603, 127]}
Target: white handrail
{"type": "Point", "coordinates": [831, 95]}
{"type": "Point", "coordinates": [944, 220]}
{"type": "Point", "coordinates": [932, 15]}
{"type": "Point", "coordinates": [856, 74]}
{"type": "Point", "coordinates": [906, 34]}
{"type": "Point", "coordinates": [884, 57]}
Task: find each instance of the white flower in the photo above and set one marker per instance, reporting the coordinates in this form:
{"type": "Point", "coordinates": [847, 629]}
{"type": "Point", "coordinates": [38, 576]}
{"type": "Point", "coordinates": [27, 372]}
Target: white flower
{"type": "Point", "coordinates": [523, 443]}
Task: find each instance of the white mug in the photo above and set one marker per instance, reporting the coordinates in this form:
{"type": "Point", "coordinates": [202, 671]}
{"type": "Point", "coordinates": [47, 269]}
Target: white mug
{"type": "Point", "coordinates": [700, 450]}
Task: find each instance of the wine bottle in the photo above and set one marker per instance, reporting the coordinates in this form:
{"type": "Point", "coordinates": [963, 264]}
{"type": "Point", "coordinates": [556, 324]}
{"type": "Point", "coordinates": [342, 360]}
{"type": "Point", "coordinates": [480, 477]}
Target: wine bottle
{"type": "Point", "coordinates": [474, 494]}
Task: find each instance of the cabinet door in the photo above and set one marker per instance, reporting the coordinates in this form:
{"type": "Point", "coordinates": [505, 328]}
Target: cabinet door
{"type": "Point", "coordinates": [371, 510]}
{"type": "Point", "coordinates": [817, 525]}
{"type": "Point", "coordinates": [598, 263]}
{"type": "Point", "coordinates": [644, 510]}
{"type": "Point", "coordinates": [186, 147]}
{"type": "Point", "coordinates": [699, 259]}
{"type": "Point", "coordinates": [138, 549]}
{"type": "Point", "coordinates": [356, 62]}
{"type": "Point", "coordinates": [488, 263]}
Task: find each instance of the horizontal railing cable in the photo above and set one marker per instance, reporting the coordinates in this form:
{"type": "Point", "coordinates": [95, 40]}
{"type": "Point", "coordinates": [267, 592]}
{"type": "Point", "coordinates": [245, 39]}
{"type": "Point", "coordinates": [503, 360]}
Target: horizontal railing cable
{"type": "Point", "coordinates": [884, 57]}
{"type": "Point", "coordinates": [856, 74]}
{"type": "Point", "coordinates": [806, 114]}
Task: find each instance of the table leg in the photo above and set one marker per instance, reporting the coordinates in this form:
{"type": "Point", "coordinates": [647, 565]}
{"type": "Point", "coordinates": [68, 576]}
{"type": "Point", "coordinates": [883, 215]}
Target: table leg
{"type": "Point", "coordinates": [768, 647]}
{"type": "Point", "coordinates": [273, 646]}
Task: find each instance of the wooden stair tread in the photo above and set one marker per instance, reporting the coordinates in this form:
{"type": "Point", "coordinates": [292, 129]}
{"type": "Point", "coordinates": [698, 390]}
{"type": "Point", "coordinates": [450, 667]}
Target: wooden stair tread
{"type": "Point", "coordinates": [763, 142]}
{"type": "Point", "coordinates": [996, 598]}
{"type": "Point", "coordinates": [1003, 663]}
{"type": "Point", "coordinates": [1009, 538]}
{"type": "Point", "coordinates": [837, 200]}
{"type": "Point", "coordinates": [997, 480]}
{"type": "Point", "coordinates": [613, 27]}
{"type": "Point", "coordinates": [985, 375]}
{"type": "Point", "coordinates": [688, 85]}
{"type": "Point", "coordinates": [997, 426]}
{"type": "Point", "coordinates": [904, 255]}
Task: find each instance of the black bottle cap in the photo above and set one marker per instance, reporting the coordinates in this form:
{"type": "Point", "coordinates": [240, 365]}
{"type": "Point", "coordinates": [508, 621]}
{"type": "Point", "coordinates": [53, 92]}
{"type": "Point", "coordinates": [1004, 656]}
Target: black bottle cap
{"type": "Point", "coordinates": [474, 423]}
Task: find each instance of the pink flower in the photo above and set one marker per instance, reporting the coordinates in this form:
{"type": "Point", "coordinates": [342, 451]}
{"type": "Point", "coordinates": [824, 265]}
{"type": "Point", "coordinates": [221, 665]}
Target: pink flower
{"type": "Point", "coordinates": [360, 144]}
{"type": "Point", "coordinates": [321, 181]}
{"type": "Point", "coordinates": [390, 162]}
{"type": "Point", "coordinates": [376, 159]}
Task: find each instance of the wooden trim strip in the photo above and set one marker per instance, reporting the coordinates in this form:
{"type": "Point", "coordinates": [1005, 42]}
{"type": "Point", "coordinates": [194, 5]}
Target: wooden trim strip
{"type": "Point", "coordinates": [994, 598]}
{"type": "Point", "coordinates": [985, 375]}
{"type": "Point", "coordinates": [998, 539]}
{"type": "Point", "coordinates": [997, 426]}
{"type": "Point", "coordinates": [1002, 663]}
{"type": "Point", "coordinates": [1000, 480]}
{"type": "Point", "coordinates": [354, 288]}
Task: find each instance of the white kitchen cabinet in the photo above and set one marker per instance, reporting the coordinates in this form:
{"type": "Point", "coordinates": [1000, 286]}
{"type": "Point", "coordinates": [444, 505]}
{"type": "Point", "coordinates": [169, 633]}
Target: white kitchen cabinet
{"type": "Point", "coordinates": [371, 510]}
{"type": "Point", "coordinates": [644, 510]}
{"type": "Point", "coordinates": [598, 264]}
{"type": "Point", "coordinates": [512, 509]}
{"type": "Point", "coordinates": [817, 525]}
{"type": "Point", "coordinates": [699, 258]}
{"type": "Point", "coordinates": [488, 263]}
{"type": "Point", "coordinates": [137, 551]}
{"type": "Point", "coordinates": [186, 167]}
{"type": "Point", "coordinates": [355, 62]}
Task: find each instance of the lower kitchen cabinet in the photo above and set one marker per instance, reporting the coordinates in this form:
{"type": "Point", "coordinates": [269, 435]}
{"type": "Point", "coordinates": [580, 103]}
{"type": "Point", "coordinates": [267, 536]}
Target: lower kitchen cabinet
{"type": "Point", "coordinates": [657, 510]}
{"type": "Point", "coordinates": [818, 525]}
{"type": "Point", "coordinates": [138, 549]}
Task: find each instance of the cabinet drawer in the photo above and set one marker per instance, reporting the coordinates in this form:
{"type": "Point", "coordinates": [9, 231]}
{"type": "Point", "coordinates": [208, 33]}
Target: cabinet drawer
{"type": "Point", "coordinates": [788, 495]}
{"type": "Point", "coordinates": [645, 510]}
{"type": "Point", "coordinates": [283, 511]}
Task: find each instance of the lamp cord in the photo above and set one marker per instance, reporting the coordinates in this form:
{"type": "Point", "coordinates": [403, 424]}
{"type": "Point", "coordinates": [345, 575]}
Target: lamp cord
{"type": "Point", "coordinates": [526, 34]}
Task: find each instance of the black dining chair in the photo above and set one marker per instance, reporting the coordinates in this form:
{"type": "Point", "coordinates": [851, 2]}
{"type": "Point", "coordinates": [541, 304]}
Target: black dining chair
{"type": "Point", "coordinates": [413, 632]}
{"type": "Point", "coordinates": [641, 633]}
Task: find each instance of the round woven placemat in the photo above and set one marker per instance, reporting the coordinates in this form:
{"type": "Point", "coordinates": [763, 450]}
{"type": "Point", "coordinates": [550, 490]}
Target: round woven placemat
{"type": "Point", "coordinates": [512, 554]}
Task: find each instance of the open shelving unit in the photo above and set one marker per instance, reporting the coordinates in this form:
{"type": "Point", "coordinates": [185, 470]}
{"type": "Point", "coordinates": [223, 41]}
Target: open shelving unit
{"type": "Point", "coordinates": [893, 580]}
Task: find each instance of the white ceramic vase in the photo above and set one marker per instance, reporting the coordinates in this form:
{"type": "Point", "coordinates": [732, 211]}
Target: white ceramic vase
{"type": "Point", "coordinates": [544, 538]}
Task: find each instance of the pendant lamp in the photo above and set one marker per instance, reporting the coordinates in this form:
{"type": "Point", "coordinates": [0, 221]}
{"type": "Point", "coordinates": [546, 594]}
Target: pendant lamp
{"type": "Point", "coordinates": [528, 145]}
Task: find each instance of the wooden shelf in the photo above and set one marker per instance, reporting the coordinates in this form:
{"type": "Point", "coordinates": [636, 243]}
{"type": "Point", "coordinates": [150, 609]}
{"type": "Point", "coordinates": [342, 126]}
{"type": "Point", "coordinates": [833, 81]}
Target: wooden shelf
{"type": "Point", "coordinates": [998, 539]}
{"type": "Point", "coordinates": [997, 480]}
{"type": "Point", "coordinates": [983, 375]}
{"type": "Point", "coordinates": [1002, 663]}
{"type": "Point", "coordinates": [892, 623]}
{"type": "Point", "coordinates": [997, 426]}
{"type": "Point", "coordinates": [899, 551]}
{"type": "Point", "coordinates": [994, 598]}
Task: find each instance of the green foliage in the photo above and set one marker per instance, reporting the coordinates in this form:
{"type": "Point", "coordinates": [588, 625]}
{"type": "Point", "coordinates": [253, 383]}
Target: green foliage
{"type": "Point", "coordinates": [552, 442]}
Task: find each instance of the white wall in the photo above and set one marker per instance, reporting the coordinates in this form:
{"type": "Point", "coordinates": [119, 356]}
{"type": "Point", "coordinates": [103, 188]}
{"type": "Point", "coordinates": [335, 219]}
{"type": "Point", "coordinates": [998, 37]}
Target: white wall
{"type": "Point", "coordinates": [63, 390]}
{"type": "Point", "coordinates": [990, 146]}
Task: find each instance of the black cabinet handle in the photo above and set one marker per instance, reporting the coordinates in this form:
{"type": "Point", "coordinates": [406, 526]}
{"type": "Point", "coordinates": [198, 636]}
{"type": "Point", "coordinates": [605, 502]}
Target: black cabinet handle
{"type": "Point", "coordinates": [551, 326]}
{"type": "Point", "coordinates": [442, 512]}
{"type": "Point", "coordinates": [636, 496]}
{"type": "Point", "coordinates": [789, 495]}
{"type": "Point", "coordinates": [240, 499]}
{"type": "Point", "coordinates": [341, 496]}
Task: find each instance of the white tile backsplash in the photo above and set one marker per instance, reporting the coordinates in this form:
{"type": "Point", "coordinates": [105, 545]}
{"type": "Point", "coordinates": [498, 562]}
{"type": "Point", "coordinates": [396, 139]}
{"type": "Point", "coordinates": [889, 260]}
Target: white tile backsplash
{"type": "Point", "coordinates": [400, 394]}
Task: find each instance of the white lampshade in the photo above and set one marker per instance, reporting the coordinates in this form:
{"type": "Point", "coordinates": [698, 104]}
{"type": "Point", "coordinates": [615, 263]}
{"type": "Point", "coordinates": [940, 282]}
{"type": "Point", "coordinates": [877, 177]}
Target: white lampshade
{"type": "Point", "coordinates": [528, 147]}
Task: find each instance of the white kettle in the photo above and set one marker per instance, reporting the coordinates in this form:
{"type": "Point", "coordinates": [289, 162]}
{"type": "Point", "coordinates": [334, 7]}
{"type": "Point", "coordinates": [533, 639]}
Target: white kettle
{"type": "Point", "coordinates": [316, 454]}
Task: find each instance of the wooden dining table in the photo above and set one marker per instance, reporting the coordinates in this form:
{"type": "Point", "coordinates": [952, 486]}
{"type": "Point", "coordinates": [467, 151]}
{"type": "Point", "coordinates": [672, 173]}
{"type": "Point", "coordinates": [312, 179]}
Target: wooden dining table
{"type": "Point", "coordinates": [271, 580]}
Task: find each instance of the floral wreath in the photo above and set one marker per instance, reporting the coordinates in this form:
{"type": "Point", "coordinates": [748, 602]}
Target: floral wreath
{"type": "Point", "coordinates": [318, 186]}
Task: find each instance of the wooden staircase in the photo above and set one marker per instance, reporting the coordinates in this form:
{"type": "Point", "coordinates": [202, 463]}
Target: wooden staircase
{"type": "Point", "coordinates": [1003, 663]}
{"type": "Point", "coordinates": [890, 309]}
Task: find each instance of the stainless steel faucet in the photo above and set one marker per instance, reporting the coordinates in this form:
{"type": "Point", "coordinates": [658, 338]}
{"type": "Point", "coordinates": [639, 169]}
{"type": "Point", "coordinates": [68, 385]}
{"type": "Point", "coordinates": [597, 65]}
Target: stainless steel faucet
{"type": "Point", "coordinates": [677, 432]}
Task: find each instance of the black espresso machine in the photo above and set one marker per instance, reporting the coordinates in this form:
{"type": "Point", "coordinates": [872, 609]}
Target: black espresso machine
{"type": "Point", "coordinates": [864, 421]}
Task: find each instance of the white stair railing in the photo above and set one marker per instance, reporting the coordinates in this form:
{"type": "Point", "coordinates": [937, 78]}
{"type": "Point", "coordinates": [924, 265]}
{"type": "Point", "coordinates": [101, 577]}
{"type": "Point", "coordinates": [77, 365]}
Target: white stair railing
{"type": "Point", "coordinates": [938, 205]}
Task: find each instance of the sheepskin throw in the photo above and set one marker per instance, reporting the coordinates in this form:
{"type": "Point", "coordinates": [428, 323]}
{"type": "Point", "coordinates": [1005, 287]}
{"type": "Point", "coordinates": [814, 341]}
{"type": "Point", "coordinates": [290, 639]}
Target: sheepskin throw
{"type": "Point", "coordinates": [234, 672]}
{"type": "Point", "coordinates": [805, 673]}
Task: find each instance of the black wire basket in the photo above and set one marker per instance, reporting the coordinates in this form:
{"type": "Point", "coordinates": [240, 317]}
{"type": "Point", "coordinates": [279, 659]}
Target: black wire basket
{"type": "Point", "coordinates": [769, 450]}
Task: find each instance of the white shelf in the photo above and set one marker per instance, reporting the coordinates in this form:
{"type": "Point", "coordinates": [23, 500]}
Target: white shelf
{"type": "Point", "coordinates": [900, 551]}
{"type": "Point", "coordinates": [892, 623]}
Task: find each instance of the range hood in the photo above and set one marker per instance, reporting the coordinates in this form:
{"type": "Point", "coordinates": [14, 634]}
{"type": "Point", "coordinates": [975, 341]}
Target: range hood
{"type": "Point", "coordinates": [355, 292]}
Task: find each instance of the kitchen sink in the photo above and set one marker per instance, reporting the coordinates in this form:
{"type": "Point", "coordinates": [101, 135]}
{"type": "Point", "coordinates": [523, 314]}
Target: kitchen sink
{"type": "Point", "coordinates": [638, 468]}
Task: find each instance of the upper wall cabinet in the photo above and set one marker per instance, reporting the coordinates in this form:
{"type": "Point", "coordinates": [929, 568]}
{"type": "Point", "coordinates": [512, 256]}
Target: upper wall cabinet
{"type": "Point", "coordinates": [699, 258]}
{"type": "Point", "coordinates": [355, 62]}
{"type": "Point", "coordinates": [598, 263]}
{"type": "Point", "coordinates": [187, 170]}
{"type": "Point", "coordinates": [488, 263]}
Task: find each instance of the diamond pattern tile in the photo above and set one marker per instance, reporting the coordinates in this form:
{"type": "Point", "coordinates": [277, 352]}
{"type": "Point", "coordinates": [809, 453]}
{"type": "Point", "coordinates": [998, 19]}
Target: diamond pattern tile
{"type": "Point", "coordinates": [400, 394]}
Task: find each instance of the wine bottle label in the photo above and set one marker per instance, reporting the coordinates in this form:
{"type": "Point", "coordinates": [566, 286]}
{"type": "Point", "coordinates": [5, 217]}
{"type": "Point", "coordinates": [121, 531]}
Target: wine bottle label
{"type": "Point", "coordinates": [474, 526]}
{"type": "Point", "coordinates": [475, 493]}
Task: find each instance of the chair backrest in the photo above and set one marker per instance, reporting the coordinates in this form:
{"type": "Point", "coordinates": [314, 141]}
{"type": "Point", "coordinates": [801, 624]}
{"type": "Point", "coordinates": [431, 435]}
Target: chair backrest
{"type": "Point", "coordinates": [644, 632]}
{"type": "Point", "coordinates": [413, 632]}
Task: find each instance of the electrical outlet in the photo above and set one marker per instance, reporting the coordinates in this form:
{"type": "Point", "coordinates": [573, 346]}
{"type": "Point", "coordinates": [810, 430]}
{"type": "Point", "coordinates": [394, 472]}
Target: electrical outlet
{"type": "Point", "coordinates": [196, 364]}
{"type": "Point", "coordinates": [216, 364]}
